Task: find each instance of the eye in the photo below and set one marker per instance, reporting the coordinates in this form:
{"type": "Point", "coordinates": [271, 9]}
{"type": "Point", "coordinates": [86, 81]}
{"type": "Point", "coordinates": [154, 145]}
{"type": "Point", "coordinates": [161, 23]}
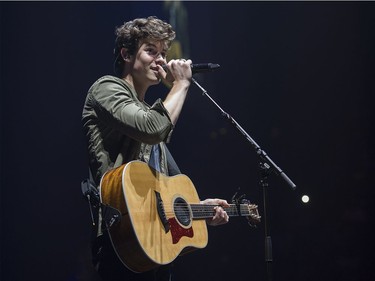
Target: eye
{"type": "Point", "coordinates": [152, 51]}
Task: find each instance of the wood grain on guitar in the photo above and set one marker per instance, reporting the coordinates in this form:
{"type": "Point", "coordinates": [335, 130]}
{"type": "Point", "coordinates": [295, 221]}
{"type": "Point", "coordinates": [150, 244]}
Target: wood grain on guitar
{"type": "Point", "coordinates": [162, 216]}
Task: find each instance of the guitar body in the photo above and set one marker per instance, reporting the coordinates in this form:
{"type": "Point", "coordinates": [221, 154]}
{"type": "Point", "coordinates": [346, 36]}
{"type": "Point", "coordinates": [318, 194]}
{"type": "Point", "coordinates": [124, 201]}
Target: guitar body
{"type": "Point", "coordinates": [156, 225]}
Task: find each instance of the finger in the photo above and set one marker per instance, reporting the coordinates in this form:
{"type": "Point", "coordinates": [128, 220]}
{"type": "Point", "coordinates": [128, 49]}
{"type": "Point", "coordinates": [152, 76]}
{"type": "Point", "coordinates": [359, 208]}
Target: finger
{"type": "Point", "coordinates": [221, 202]}
{"type": "Point", "coordinates": [161, 71]}
{"type": "Point", "coordinates": [225, 203]}
{"type": "Point", "coordinates": [221, 214]}
{"type": "Point", "coordinates": [226, 217]}
{"type": "Point", "coordinates": [177, 65]}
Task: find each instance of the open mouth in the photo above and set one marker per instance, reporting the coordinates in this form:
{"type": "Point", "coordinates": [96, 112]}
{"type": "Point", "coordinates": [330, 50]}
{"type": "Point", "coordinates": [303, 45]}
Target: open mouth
{"type": "Point", "coordinates": [154, 68]}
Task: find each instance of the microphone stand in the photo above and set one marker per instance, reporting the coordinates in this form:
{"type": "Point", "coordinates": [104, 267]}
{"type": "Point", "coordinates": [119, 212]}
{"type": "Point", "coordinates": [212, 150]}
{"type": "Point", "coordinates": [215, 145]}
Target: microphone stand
{"type": "Point", "coordinates": [266, 166]}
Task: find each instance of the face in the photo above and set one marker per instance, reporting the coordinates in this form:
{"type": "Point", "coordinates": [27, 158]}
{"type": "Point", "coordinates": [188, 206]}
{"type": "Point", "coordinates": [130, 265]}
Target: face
{"type": "Point", "coordinates": [145, 62]}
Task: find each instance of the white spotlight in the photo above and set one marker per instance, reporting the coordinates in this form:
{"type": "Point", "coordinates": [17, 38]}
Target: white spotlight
{"type": "Point", "coordinates": [305, 199]}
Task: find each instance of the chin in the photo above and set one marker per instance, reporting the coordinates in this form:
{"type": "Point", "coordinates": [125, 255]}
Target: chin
{"type": "Point", "coordinates": [155, 81]}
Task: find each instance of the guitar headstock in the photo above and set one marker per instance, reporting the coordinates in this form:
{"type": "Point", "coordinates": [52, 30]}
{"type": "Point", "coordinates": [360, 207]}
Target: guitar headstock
{"type": "Point", "coordinates": [251, 213]}
{"type": "Point", "coordinates": [253, 216]}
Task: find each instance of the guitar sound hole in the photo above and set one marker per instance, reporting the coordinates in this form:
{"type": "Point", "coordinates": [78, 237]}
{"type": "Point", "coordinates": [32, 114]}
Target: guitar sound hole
{"type": "Point", "coordinates": [182, 211]}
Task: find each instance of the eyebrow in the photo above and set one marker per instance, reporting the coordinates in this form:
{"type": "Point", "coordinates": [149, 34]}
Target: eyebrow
{"type": "Point", "coordinates": [150, 44]}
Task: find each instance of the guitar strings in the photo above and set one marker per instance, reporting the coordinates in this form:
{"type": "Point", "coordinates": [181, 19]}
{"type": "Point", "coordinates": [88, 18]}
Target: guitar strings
{"type": "Point", "coordinates": [205, 210]}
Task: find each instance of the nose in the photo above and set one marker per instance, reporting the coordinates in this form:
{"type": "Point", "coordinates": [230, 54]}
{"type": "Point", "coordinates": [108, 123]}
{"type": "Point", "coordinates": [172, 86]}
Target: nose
{"type": "Point", "coordinates": [159, 59]}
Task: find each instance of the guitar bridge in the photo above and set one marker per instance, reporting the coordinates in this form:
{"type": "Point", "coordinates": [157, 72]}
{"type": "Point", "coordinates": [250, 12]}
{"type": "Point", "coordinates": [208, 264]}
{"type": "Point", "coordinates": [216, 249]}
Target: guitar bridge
{"type": "Point", "coordinates": [161, 211]}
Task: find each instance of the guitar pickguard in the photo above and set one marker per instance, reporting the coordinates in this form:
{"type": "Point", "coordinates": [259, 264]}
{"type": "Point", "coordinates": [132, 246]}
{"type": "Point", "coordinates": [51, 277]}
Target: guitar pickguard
{"type": "Point", "coordinates": [178, 231]}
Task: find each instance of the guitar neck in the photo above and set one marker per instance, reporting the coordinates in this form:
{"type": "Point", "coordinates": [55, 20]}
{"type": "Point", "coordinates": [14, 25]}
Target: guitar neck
{"type": "Point", "coordinates": [201, 211]}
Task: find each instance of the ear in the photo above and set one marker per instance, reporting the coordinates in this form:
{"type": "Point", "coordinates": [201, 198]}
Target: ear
{"type": "Point", "coordinates": [125, 54]}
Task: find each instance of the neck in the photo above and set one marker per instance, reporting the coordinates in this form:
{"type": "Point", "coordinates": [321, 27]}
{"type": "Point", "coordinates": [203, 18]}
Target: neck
{"type": "Point", "coordinates": [201, 211]}
{"type": "Point", "coordinates": [139, 89]}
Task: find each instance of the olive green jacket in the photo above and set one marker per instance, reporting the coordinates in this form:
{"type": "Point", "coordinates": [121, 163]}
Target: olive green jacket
{"type": "Point", "coordinates": [120, 128]}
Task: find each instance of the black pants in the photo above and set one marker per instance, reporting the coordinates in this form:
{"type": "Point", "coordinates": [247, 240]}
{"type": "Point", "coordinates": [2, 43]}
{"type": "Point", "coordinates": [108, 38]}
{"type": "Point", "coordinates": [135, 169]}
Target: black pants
{"type": "Point", "coordinates": [110, 268]}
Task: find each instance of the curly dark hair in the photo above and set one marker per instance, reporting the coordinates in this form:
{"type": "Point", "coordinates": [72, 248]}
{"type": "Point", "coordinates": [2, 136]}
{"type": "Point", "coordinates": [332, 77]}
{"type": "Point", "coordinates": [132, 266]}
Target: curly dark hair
{"type": "Point", "coordinates": [132, 33]}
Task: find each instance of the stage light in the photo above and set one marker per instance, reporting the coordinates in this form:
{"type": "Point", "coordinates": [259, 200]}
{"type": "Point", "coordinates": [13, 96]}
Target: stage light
{"type": "Point", "coordinates": [305, 199]}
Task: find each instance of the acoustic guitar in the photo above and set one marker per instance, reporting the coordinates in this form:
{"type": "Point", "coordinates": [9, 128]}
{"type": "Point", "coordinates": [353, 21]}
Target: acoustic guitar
{"type": "Point", "coordinates": [161, 216]}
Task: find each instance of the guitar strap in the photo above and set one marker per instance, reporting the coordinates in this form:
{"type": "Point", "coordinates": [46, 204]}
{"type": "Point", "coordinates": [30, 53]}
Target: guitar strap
{"type": "Point", "coordinates": [91, 193]}
{"type": "Point", "coordinates": [154, 160]}
{"type": "Point", "coordinates": [156, 152]}
{"type": "Point", "coordinates": [172, 166]}
{"type": "Point", "coordinates": [111, 215]}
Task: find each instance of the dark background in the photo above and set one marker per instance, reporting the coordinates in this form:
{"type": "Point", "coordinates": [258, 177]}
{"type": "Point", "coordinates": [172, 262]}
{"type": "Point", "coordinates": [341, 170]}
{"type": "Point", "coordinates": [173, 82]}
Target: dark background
{"type": "Point", "coordinates": [297, 76]}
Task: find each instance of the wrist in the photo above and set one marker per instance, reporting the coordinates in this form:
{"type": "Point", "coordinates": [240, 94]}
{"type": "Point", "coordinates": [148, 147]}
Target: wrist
{"type": "Point", "coordinates": [181, 83]}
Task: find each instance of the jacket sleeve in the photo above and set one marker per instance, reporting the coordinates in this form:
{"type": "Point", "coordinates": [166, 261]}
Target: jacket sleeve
{"type": "Point", "coordinates": [119, 108]}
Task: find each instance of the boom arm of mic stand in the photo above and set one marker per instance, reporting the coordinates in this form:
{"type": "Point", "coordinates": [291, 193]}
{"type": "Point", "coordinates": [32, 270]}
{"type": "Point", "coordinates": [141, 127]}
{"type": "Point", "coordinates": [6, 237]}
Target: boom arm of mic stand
{"type": "Point", "coordinates": [261, 153]}
{"type": "Point", "coordinates": [266, 165]}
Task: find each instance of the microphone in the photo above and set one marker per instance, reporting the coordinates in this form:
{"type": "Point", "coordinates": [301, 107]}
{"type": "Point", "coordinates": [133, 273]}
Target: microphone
{"type": "Point", "coordinates": [199, 67]}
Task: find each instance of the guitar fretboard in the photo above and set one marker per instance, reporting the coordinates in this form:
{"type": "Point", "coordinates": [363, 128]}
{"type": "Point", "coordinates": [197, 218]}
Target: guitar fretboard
{"type": "Point", "coordinates": [201, 211]}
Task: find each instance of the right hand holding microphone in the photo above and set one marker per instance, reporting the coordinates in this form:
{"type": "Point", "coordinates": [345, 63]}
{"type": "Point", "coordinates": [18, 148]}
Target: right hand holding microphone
{"type": "Point", "coordinates": [178, 71]}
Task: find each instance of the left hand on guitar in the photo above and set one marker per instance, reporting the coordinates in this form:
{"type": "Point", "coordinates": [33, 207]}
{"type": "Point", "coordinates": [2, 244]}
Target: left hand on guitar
{"type": "Point", "coordinates": [221, 216]}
